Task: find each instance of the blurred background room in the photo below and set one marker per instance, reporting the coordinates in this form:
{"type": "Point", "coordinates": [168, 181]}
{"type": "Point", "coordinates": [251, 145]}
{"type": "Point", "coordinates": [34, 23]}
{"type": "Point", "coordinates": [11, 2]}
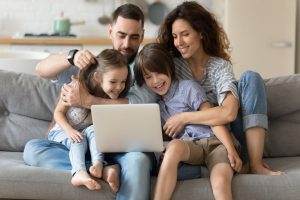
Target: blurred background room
{"type": "Point", "coordinates": [264, 34]}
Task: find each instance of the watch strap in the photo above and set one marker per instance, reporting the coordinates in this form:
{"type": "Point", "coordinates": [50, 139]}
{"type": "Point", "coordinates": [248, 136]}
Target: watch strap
{"type": "Point", "coordinates": [71, 56]}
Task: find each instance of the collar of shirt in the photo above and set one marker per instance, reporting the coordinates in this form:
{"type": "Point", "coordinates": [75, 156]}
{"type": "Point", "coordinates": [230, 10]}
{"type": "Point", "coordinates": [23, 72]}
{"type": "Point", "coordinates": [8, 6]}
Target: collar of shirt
{"type": "Point", "coordinates": [172, 90]}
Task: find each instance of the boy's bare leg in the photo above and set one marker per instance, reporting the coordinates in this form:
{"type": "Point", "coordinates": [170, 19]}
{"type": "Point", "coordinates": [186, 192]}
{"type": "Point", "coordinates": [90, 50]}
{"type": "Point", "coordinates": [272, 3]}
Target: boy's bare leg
{"type": "Point", "coordinates": [220, 178]}
{"type": "Point", "coordinates": [81, 177]}
{"type": "Point", "coordinates": [96, 169]}
{"type": "Point", "coordinates": [111, 174]}
{"type": "Point", "coordinates": [177, 151]}
{"type": "Point", "coordinates": [255, 143]}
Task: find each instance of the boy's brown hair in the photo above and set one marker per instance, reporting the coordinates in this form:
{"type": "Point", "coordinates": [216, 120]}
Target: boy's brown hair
{"type": "Point", "coordinates": [154, 58]}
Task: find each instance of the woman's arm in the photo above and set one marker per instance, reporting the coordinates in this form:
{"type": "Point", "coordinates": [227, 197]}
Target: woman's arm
{"type": "Point", "coordinates": [61, 119]}
{"type": "Point", "coordinates": [218, 115]}
{"type": "Point", "coordinates": [213, 116]}
{"type": "Point", "coordinates": [222, 133]}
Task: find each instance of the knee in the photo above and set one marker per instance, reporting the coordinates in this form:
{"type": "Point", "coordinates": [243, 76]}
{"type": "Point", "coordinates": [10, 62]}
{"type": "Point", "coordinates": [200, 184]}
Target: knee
{"type": "Point", "coordinates": [137, 160]}
{"type": "Point", "coordinates": [89, 131]}
{"type": "Point", "coordinates": [251, 77]}
{"type": "Point", "coordinates": [34, 144]}
{"type": "Point", "coordinates": [176, 147]}
{"type": "Point", "coordinates": [175, 150]}
{"type": "Point", "coordinates": [32, 149]}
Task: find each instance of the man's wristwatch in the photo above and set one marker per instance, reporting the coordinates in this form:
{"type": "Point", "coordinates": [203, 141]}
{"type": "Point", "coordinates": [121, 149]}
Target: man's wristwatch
{"type": "Point", "coordinates": [71, 56]}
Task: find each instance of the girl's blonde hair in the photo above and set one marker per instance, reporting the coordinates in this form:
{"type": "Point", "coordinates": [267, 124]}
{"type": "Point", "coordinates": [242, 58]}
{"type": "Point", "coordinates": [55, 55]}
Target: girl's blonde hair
{"type": "Point", "coordinates": [107, 60]}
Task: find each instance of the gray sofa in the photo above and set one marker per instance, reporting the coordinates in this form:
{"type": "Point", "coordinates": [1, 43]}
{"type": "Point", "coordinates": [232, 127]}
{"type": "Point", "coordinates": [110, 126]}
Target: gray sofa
{"type": "Point", "coordinates": [26, 105]}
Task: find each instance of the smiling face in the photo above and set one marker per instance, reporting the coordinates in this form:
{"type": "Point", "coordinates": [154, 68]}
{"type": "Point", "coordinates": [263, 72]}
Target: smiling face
{"type": "Point", "coordinates": [113, 81]}
{"type": "Point", "coordinates": [157, 82]}
{"type": "Point", "coordinates": [126, 36]}
{"type": "Point", "coordinates": [186, 39]}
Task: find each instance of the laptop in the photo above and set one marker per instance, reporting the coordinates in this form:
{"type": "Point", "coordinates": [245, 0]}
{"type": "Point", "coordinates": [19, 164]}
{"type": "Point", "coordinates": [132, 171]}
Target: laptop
{"type": "Point", "coordinates": [127, 127]}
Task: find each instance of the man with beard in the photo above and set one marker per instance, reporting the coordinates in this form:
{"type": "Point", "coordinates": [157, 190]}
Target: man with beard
{"type": "Point", "coordinates": [126, 32]}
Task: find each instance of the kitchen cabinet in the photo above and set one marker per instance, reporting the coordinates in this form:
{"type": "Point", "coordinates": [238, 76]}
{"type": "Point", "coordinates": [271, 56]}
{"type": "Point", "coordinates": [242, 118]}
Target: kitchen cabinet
{"type": "Point", "coordinates": [262, 35]}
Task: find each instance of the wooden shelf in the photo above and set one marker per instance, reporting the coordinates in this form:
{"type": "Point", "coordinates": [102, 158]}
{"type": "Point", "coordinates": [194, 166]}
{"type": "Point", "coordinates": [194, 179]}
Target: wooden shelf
{"type": "Point", "coordinates": [59, 41]}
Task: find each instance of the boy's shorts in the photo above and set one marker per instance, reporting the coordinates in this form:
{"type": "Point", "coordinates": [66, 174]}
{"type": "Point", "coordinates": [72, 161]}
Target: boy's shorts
{"type": "Point", "coordinates": [208, 151]}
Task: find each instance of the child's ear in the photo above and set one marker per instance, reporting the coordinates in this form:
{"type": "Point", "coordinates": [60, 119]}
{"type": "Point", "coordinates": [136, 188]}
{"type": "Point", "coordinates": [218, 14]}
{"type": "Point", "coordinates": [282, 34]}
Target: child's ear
{"type": "Point", "coordinates": [97, 77]}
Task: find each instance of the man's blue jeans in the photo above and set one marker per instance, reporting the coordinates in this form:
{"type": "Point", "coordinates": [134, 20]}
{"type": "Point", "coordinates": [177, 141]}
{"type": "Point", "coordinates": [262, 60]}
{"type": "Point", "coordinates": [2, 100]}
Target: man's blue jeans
{"type": "Point", "coordinates": [136, 167]}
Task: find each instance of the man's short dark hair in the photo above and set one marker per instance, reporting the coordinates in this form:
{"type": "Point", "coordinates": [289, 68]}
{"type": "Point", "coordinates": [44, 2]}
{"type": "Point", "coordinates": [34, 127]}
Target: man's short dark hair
{"type": "Point", "coordinates": [128, 11]}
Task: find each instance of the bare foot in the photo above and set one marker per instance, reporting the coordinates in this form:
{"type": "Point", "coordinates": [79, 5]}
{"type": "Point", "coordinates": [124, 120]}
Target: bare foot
{"type": "Point", "coordinates": [111, 174]}
{"type": "Point", "coordinates": [264, 169]}
{"type": "Point", "coordinates": [96, 169]}
{"type": "Point", "coordinates": [81, 177]}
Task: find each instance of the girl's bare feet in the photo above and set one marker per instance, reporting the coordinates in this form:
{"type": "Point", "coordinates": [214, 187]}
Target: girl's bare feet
{"type": "Point", "coordinates": [96, 169]}
{"type": "Point", "coordinates": [81, 177]}
{"type": "Point", "coordinates": [111, 174]}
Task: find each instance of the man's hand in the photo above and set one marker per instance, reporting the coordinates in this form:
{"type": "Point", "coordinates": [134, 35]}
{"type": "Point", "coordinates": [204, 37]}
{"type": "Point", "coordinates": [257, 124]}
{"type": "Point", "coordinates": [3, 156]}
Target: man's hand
{"type": "Point", "coordinates": [84, 58]}
{"type": "Point", "coordinates": [73, 94]}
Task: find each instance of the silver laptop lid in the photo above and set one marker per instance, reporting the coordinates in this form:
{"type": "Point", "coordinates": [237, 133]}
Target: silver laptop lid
{"type": "Point", "coordinates": [127, 127]}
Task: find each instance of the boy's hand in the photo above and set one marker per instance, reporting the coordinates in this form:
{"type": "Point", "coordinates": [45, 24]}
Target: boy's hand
{"type": "Point", "coordinates": [174, 125]}
{"type": "Point", "coordinates": [235, 161]}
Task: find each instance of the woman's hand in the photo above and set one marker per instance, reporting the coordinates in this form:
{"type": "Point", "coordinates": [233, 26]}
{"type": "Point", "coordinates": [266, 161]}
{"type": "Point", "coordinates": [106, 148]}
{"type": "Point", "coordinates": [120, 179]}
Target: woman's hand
{"type": "Point", "coordinates": [174, 125]}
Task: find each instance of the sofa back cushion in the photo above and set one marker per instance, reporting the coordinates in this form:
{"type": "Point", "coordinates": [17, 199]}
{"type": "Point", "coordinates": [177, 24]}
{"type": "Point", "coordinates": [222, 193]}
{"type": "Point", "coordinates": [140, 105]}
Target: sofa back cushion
{"type": "Point", "coordinates": [26, 108]}
{"type": "Point", "coordinates": [283, 137]}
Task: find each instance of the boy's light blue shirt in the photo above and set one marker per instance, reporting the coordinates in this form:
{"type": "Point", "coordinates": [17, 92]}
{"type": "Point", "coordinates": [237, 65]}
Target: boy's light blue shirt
{"type": "Point", "coordinates": [185, 96]}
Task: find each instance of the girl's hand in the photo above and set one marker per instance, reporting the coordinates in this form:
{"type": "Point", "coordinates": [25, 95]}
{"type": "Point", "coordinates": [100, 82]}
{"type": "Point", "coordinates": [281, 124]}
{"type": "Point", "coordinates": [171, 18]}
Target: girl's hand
{"type": "Point", "coordinates": [75, 135]}
{"type": "Point", "coordinates": [174, 125]}
{"type": "Point", "coordinates": [235, 161]}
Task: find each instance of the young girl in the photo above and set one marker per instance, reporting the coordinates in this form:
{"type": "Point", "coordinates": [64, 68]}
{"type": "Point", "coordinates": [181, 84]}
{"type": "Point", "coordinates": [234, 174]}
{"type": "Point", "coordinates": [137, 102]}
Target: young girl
{"type": "Point", "coordinates": [195, 144]}
{"type": "Point", "coordinates": [108, 78]}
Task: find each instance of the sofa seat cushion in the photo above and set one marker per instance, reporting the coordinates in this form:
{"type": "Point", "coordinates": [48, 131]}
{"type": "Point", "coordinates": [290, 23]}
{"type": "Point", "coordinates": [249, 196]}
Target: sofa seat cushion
{"type": "Point", "coordinates": [18, 180]}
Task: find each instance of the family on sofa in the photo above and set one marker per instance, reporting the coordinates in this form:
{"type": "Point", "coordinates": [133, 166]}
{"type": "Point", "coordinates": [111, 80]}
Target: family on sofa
{"type": "Point", "coordinates": [190, 60]}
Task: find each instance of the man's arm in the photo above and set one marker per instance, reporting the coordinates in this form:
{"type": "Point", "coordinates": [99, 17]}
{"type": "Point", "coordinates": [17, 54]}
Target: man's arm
{"type": "Point", "coordinates": [55, 64]}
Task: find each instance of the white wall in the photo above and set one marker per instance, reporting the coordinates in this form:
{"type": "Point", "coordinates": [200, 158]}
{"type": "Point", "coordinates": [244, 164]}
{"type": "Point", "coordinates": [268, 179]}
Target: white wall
{"type": "Point", "coordinates": [37, 16]}
{"type": "Point", "coordinates": [297, 70]}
